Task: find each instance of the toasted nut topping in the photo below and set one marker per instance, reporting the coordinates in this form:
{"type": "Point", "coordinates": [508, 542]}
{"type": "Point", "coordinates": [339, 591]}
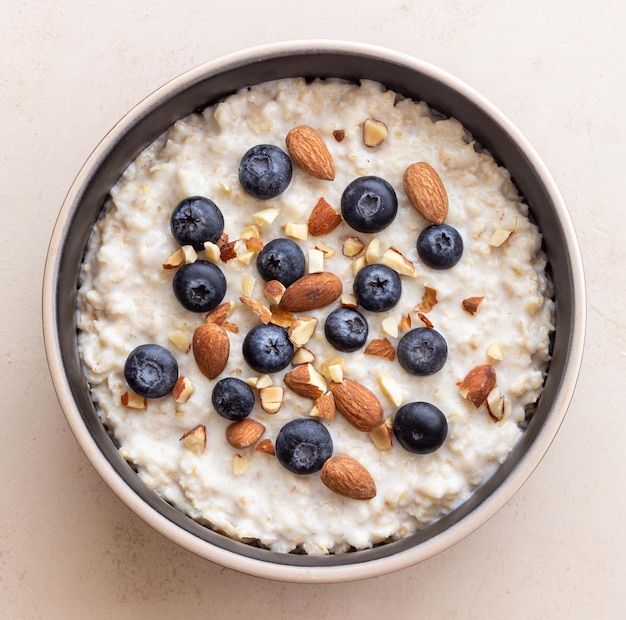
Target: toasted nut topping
{"type": "Point", "coordinates": [175, 260]}
{"type": "Point", "coordinates": [212, 252]}
{"type": "Point", "coordinates": [271, 398]}
{"type": "Point", "coordinates": [429, 300]}
{"type": "Point", "coordinates": [381, 347]}
{"type": "Point", "coordinates": [195, 439]}
{"type": "Point", "coordinates": [302, 356]}
{"type": "Point", "coordinates": [244, 433]}
{"type": "Point", "coordinates": [316, 261]}
{"type": "Point", "coordinates": [331, 361]}
{"type": "Point", "coordinates": [372, 251]}
{"type": "Point", "coordinates": [309, 152]}
{"type": "Point", "coordinates": [346, 476]}
{"type": "Point", "coordinates": [228, 251]}
{"type": "Point", "coordinates": [265, 217]}
{"type": "Point", "coordinates": [471, 304]}
{"type": "Point", "coordinates": [191, 256]}
{"type": "Point", "coordinates": [280, 317]}
{"type": "Point", "coordinates": [495, 404]}
{"type": "Point", "coordinates": [296, 231]}
{"type": "Point", "coordinates": [374, 132]}
{"type": "Point", "coordinates": [249, 232]}
{"type": "Point", "coordinates": [396, 260]}
{"type": "Point", "coordinates": [352, 246]}
{"type": "Point", "coordinates": [274, 291]}
{"type": "Point", "coordinates": [266, 446]}
{"type": "Point", "coordinates": [495, 352]}
{"type": "Point", "coordinates": [323, 219]}
{"type": "Point", "coordinates": [478, 383]}
{"type": "Point", "coordinates": [390, 326]}
{"type": "Point", "coordinates": [264, 381]}
{"type": "Point", "coordinates": [131, 400]}
{"type": "Point", "coordinates": [180, 339]}
{"type": "Point", "coordinates": [328, 251]}
{"type": "Point", "coordinates": [381, 437]}
{"type": "Point", "coordinates": [348, 300]}
{"type": "Point", "coordinates": [263, 312]}
{"type": "Point", "coordinates": [305, 381]}
{"type": "Point", "coordinates": [301, 330]}
{"type": "Point", "coordinates": [339, 135]}
{"type": "Point", "coordinates": [240, 464]}
{"type": "Point", "coordinates": [221, 313]}
{"type": "Point", "coordinates": [424, 319]}
{"type": "Point", "coordinates": [405, 322]}
{"type": "Point", "coordinates": [182, 389]}
{"type": "Point", "coordinates": [426, 192]}
{"type": "Point", "coordinates": [324, 407]}
{"type": "Point", "coordinates": [247, 285]}
{"type": "Point", "coordinates": [391, 388]}
{"type": "Point", "coordinates": [499, 237]}
{"type": "Point", "coordinates": [230, 327]}
{"type": "Point", "coordinates": [358, 264]}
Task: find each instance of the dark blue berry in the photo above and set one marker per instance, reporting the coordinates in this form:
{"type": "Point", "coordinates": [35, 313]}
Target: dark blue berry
{"type": "Point", "coordinates": [440, 246]}
{"type": "Point", "coordinates": [282, 260]}
{"type": "Point", "coordinates": [369, 204]}
{"type": "Point", "coordinates": [151, 371]}
{"type": "Point", "coordinates": [377, 287]}
{"type": "Point", "coordinates": [265, 171]}
{"type": "Point", "coordinates": [196, 220]}
{"type": "Point", "coordinates": [303, 446]}
{"type": "Point", "coordinates": [199, 286]}
{"type": "Point", "coordinates": [422, 351]}
{"type": "Point", "coordinates": [420, 427]}
{"type": "Point", "coordinates": [232, 398]}
{"type": "Point", "coordinates": [267, 348]}
{"type": "Point", "coordinates": [346, 329]}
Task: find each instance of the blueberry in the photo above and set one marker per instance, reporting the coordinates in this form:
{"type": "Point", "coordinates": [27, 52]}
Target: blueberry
{"type": "Point", "coordinates": [267, 348]}
{"type": "Point", "coordinates": [420, 427]}
{"type": "Point", "coordinates": [232, 398]}
{"type": "Point", "coordinates": [377, 287]}
{"type": "Point", "coordinates": [282, 260]}
{"type": "Point", "coordinates": [199, 286]}
{"type": "Point", "coordinates": [196, 220]}
{"type": "Point", "coordinates": [151, 371]}
{"type": "Point", "coordinates": [346, 329]}
{"type": "Point", "coordinates": [369, 204]}
{"type": "Point", "coordinates": [303, 445]}
{"type": "Point", "coordinates": [440, 246]}
{"type": "Point", "coordinates": [422, 351]}
{"type": "Point", "coordinates": [265, 171]}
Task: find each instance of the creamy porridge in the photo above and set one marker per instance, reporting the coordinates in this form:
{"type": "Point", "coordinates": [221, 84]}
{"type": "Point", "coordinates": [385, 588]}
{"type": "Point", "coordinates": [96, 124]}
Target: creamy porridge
{"type": "Point", "coordinates": [492, 309]}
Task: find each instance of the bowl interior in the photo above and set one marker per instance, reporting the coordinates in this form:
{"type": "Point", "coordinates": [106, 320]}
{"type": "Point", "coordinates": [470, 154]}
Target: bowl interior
{"type": "Point", "coordinates": [204, 86]}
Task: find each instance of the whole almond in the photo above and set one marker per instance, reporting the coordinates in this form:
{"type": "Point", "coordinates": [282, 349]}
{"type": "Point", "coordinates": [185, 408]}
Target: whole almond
{"type": "Point", "coordinates": [426, 192]}
{"type": "Point", "coordinates": [211, 349]}
{"type": "Point", "coordinates": [346, 476]}
{"type": "Point", "coordinates": [358, 405]}
{"type": "Point", "coordinates": [478, 383]}
{"type": "Point", "coordinates": [311, 291]}
{"type": "Point", "coordinates": [308, 150]}
{"type": "Point", "coordinates": [244, 433]}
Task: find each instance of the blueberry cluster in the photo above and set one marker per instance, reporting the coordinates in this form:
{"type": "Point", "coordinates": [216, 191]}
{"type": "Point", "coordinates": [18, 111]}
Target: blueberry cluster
{"type": "Point", "coordinates": [369, 204]}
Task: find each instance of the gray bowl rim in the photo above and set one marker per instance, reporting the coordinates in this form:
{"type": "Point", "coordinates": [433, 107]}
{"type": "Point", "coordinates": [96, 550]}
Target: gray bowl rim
{"type": "Point", "coordinates": [357, 565]}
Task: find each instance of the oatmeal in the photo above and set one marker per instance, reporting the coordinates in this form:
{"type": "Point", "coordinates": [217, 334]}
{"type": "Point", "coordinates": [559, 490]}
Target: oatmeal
{"type": "Point", "coordinates": [217, 453]}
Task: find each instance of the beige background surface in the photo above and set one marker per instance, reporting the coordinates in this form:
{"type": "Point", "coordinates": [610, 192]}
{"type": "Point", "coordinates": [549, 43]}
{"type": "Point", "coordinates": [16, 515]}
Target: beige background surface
{"type": "Point", "coordinates": [69, 70]}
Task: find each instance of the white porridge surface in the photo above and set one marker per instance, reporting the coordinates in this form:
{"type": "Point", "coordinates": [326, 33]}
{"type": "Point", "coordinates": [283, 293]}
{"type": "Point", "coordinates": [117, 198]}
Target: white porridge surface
{"type": "Point", "coordinates": [126, 299]}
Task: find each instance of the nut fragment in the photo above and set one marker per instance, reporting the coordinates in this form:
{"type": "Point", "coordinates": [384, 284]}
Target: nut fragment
{"type": "Point", "coordinates": [495, 404]}
{"type": "Point", "coordinates": [280, 317]}
{"type": "Point", "coordinates": [263, 312]}
{"type": "Point", "coordinates": [399, 262]}
{"type": "Point", "coordinates": [191, 256]}
{"type": "Point", "coordinates": [305, 381]}
{"type": "Point", "coordinates": [174, 260]}
{"type": "Point", "coordinates": [424, 319]}
{"type": "Point", "coordinates": [500, 235]}
{"type": "Point", "coordinates": [131, 400]}
{"type": "Point", "coordinates": [471, 304]}
{"type": "Point", "coordinates": [346, 476]}
{"type": "Point", "coordinates": [249, 232]}
{"type": "Point", "coordinates": [426, 192]}
{"type": "Point", "coordinates": [301, 330]}
{"type": "Point", "coordinates": [308, 150]}
{"type": "Point", "coordinates": [358, 405]}
{"type": "Point", "coordinates": [182, 389]}
{"type": "Point", "coordinates": [405, 322]}
{"type": "Point", "coordinates": [323, 219]}
{"type": "Point", "coordinates": [374, 132]}
{"type": "Point", "coordinates": [212, 251]}
{"type": "Point", "coordinates": [381, 347]}
{"type": "Point", "coordinates": [228, 251]}
{"type": "Point", "coordinates": [266, 446]}
{"type": "Point", "coordinates": [381, 437]}
{"type": "Point", "coordinates": [478, 383]}
{"type": "Point", "coordinates": [324, 407]}
{"type": "Point", "coordinates": [495, 353]}
{"type": "Point", "coordinates": [274, 291]}
{"type": "Point", "coordinates": [339, 135]}
{"type": "Point", "coordinates": [391, 388]}
{"type": "Point", "coordinates": [352, 247]}
{"type": "Point", "coordinates": [247, 285]}
{"type": "Point", "coordinates": [240, 464]}
{"type": "Point", "coordinates": [221, 313]}
{"type": "Point", "coordinates": [265, 217]}
{"type": "Point", "coordinates": [348, 300]}
{"type": "Point", "coordinates": [372, 251]}
{"type": "Point", "coordinates": [316, 261]}
{"type": "Point", "coordinates": [271, 398]}
{"type": "Point", "coordinates": [429, 300]}
{"type": "Point", "coordinates": [211, 349]}
{"type": "Point", "coordinates": [244, 433]}
{"type": "Point", "coordinates": [302, 356]}
{"type": "Point", "coordinates": [390, 326]}
{"type": "Point", "coordinates": [195, 439]}
{"type": "Point", "coordinates": [311, 291]}
{"type": "Point", "coordinates": [180, 339]}
{"type": "Point", "coordinates": [296, 231]}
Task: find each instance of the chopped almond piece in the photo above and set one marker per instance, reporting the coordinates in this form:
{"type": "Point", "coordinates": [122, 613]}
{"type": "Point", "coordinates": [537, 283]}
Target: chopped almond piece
{"type": "Point", "coordinates": [263, 312]}
{"type": "Point", "coordinates": [274, 291]}
{"type": "Point", "coordinates": [381, 347]}
{"type": "Point", "coordinates": [471, 304]}
{"type": "Point", "coordinates": [352, 247]}
{"type": "Point", "coordinates": [195, 439]}
{"type": "Point", "coordinates": [323, 219]}
{"type": "Point", "coordinates": [424, 319]}
{"type": "Point", "coordinates": [381, 437]}
{"type": "Point", "coordinates": [175, 260]}
{"type": "Point", "coordinates": [281, 317]}
{"type": "Point", "coordinates": [221, 313]}
{"type": "Point", "coordinates": [429, 300]}
{"type": "Point", "coordinates": [324, 408]}
{"type": "Point", "coordinates": [266, 446]}
{"type": "Point", "coordinates": [133, 401]}
{"type": "Point", "coordinates": [228, 251]}
{"type": "Point", "coordinates": [271, 398]}
{"type": "Point", "coordinates": [182, 389]}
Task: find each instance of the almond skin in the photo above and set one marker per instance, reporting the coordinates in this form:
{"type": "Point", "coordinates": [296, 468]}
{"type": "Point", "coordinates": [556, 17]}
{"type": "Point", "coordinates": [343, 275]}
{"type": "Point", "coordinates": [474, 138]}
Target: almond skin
{"type": "Point", "coordinates": [358, 405]}
{"type": "Point", "coordinates": [323, 219]}
{"type": "Point", "coordinates": [426, 192]}
{"type": "Point", "coordinates": [478, 383]}
{"type": "Point", "coordinates": [346, 476]}
{"type": "Point", "coordinates": [311, 291]}
{"type": "Point", "coordinates": [211, 349]}
{"type": "Point", "coordinates": [305, 381]}
{"type": "Point", "coordinates": [244, 433]}
{"type": "Point", "coordinates": [309, 152]}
